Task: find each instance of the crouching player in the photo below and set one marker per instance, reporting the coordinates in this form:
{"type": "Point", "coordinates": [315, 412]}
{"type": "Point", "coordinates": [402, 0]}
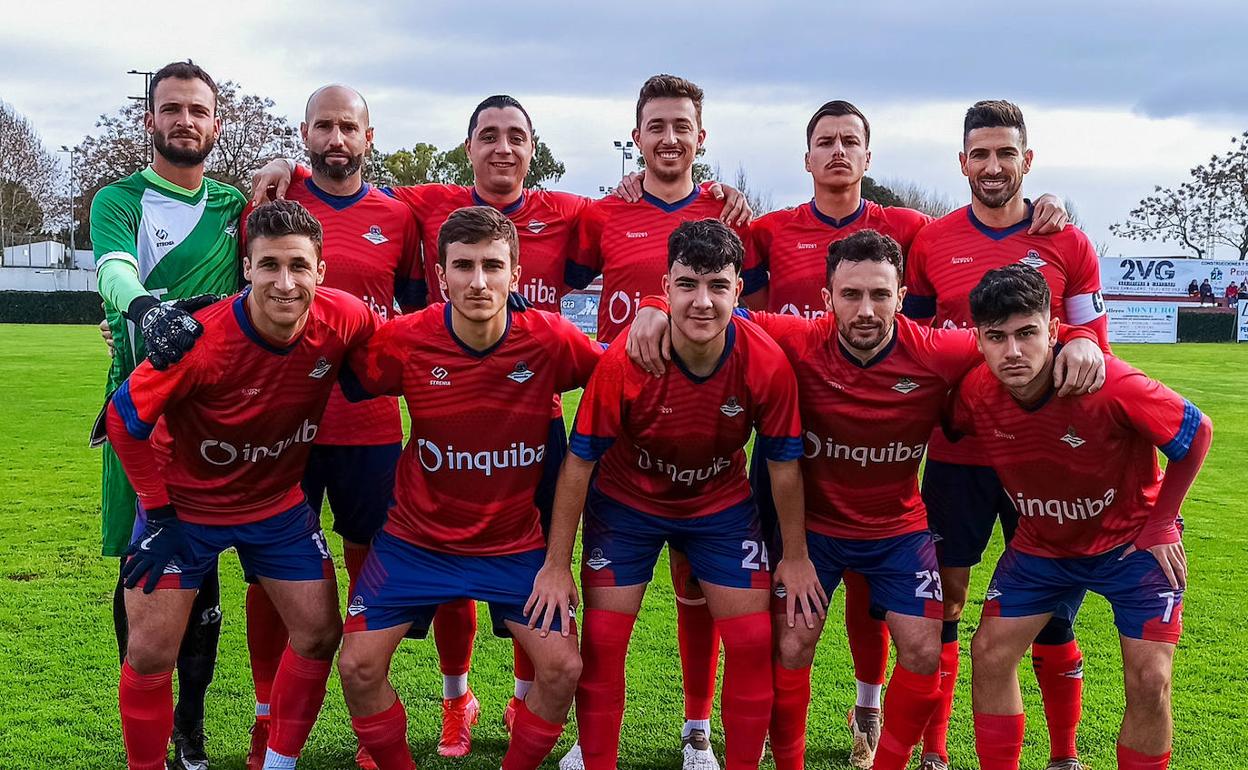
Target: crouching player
{"type": "Point", "coordinates": [673, 471]}
{"type": "Point", "coordinates": [237, 417]}
{"type": "Point", "coordinates": [479, 380]}
{"type": "Point", "coordinates": [1095, 513]}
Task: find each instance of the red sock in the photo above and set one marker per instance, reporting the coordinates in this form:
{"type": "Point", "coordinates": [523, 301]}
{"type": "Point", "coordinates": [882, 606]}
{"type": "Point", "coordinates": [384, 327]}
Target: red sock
{"type": "Point", "coordinates": [788, 716]}
{"type": "Point", "coordinates": [384, 735]}
{"type": "Point", "coordinates": [1130, 759]}
{"type": "Point", "coordinates": [699, 656]}
{"type": "Point", "coordinates": [454, 629]}
{"type": "Point", "coordinates": [998, 740]}
{"type": "Point", "coordinates": [521, 664]}
{"type": "Point", "coordinates": [266, 641]}
{"type": "Point", "coordinates": [298, 691]}
{"type": "Point", "coordinates": [146, 702]}
{"type": "Point", "coordinates": [532, 739]}
{"type": "Point", "coordinates": [354, 558]}
{"type": "Point", "coordinates": [748, 693]}
{"type": "Point", "coordinates": [868, 637]}
{"type": "Point", "coordinates": [936, 735]}
{"type": "Point", "coordinates": [1059, 670]}
{"type": "Point", "coordinates": [908, 706]}
{"type": "Point", "coordinates": [600, 692]}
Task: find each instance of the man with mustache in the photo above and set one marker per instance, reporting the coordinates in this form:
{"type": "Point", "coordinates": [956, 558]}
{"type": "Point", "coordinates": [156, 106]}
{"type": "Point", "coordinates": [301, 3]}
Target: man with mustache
{"type": "Point", "coordinates": [162, 234]}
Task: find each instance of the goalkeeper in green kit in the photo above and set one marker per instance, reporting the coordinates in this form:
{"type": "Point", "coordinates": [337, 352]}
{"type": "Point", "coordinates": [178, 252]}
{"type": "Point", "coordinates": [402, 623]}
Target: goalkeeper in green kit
{"type": "Point", "coordinates": [166, 244]}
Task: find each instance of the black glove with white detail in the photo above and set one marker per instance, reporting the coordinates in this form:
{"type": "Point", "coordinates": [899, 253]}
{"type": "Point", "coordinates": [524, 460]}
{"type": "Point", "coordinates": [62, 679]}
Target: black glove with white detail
{"type": "Point", "coordinates": [161, 543]}
{"type": "Point", "coordinates": [518, 302]}
{"type": "Point", "coordinates": [168, 328]}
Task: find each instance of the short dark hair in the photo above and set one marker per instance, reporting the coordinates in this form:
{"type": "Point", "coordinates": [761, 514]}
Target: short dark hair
{"type": "Point", "coordinates": [865, 246]}
{"type": "Point", "coordinates": [837, 108]}
{"type": "Point", "coordinates": [670, 87]}
{"type": "Point", "coordinates": [994, 113]}
{"type": "Point", "coordinates": [1016, 289]}
{"type": "Point", "coordinates": [182, 70]}
{"type": "Point", "coordinates": [474, 224]}
{"type": "Point", "coordinates": [283, 217]}
{"type": "Point", "coordinates": [705, 246]}
{"type": "Point", "coordinates": [498, 101]}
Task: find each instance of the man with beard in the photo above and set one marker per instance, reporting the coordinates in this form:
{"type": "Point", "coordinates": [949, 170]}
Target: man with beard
{"type": "Point", "coordinates": [163, 234]}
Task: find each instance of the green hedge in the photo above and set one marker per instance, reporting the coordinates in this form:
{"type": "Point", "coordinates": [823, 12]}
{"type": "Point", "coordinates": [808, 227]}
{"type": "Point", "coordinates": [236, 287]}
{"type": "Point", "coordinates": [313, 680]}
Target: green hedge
{"type": "Point", "coordinates": [50, 307]}
{"type": "Point", "coordinates": [1196, 326]}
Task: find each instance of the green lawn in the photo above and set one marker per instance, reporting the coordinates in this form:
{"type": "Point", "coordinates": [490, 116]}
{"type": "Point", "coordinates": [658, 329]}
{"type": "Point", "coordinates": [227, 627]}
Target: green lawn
{"type": "Point", "coordinates": [58, 667]}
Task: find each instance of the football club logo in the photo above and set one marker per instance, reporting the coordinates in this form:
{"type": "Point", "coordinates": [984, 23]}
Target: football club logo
{"type": "Point", "coordinates": [993, 593]}
{"type": "Point", "coordinates": [374, 236]}
{"type": "Point", "coordinates": [522, 372]}
{"type": "Point", "coordinates": [535, 226]}
{"type": "Point", "coordinates": [1072, 438]}
{"type": "Point", "coordinates": [597, 561]}
{"type": "Point", "coordinates": [231, 230]}
{"type": "Point", "coordinates": [905, 385]}
{"type": "Point", "coordinates": [1033, 259]}
{"type": "Point", "coordinates": [731, 408]}
{"type": "Point", "coordinates": [356, 606]}
{"type": "Point", "coordinates": [321, 369]}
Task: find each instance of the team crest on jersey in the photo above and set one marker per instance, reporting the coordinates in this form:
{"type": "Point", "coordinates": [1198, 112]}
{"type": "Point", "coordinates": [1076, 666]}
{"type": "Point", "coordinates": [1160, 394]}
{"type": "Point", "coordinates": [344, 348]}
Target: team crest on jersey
{"type": "Point", "coordinates": [321, 369]}
{"type": "Point", "coordinates": [356, 606]}
{"type": "Point", "coordinates": [374, 235]}
{"type": "Point", "coordinates": [597, 561]}
{"type": "Point", "coordinates": [905, 385]}
{"type": "Point", "coordinates": [1072, 438]}
{"type": "Point", "coordinates": [535, 226]}
{"type": "Point", "coordinates": [1033, 259]}
{"type": "Point", "coordinates": [731, 408]}
{"type": "Point", "coordinates": [522, 372]}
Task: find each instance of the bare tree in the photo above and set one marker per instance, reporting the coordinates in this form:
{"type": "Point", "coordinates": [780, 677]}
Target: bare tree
{"type": "Point", "coordinates": [760, 200]}
{"type": "Point", "coordinates": [915, 196]}
{"type": "Point", "coordinates": [29, 179]}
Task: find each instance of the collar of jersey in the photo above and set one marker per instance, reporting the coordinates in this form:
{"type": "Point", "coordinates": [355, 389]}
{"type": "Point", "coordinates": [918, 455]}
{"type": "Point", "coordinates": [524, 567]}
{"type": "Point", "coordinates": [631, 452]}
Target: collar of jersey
{"type": "Point", "coordinates": [1005, 232]}
{"type": "Point", "coordinates": [249, 329]}
{"type": "Point", "coordinates": [446, 318]}
{"type": "Point", "coordinates": [507, 210]}
{"type": "Point", "coordinates": [191, 196]}
{"type": "Point", "coordinates": [838, 223]}
{"type": "Point", "coordinates": [675, 205]}
{"type": "Point", "coordinates": [875, 359]}
{"type": "Point", "coordinates": [730, 338]}
{"type": "Point", "coordinates": [337, 202]}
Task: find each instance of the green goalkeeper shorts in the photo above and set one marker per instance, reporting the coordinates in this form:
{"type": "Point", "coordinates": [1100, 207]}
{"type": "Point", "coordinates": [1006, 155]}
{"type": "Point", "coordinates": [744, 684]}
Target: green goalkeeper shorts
{"type": "Point", "coordinates": [116, 506]}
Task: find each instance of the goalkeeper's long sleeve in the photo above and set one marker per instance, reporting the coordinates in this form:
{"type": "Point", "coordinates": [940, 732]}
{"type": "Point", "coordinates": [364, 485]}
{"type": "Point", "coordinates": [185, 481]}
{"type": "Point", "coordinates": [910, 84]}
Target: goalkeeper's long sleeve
{"type": "Point", "coordinates": [119, 284]}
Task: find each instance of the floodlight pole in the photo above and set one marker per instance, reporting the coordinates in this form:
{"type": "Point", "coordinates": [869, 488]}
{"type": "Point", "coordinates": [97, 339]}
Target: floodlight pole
{"type": "Point", "coordinates": [147, 87]}
{"type": "Point", "coordinates": [73, 225]}
{"type": "Point", "coordinates": [626, 153]}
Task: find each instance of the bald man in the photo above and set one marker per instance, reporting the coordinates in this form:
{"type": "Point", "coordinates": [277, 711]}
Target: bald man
{"type": "Point", "coordinates": [372, 250]}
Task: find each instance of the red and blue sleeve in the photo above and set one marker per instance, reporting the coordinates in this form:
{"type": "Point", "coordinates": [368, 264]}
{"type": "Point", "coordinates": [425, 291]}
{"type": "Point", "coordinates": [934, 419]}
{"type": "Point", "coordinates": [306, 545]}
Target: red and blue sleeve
{"type": "Point", "coordinates": [410, 288]}
{"type": "Point", "coordinates": [1084, 303]}
{"type": "Point", "coordinates": [754, 275]}
{"type": "Point", "coordinates": [1153, 410]}
{"type": "Point", "coordinates": [920, 301]}
{"type": "Point", "coordinates": [599, 416]}
{"type": "Point", "coordinates": [779, 422]}
{"type": "Point", "coordinates": [132, 415]}
{"type": "Point", "coordinates": [586, 264]}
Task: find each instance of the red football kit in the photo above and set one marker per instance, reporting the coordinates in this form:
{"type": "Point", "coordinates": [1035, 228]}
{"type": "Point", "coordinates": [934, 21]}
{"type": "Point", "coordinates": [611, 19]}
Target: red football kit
{"type": "Point", "coordinates": [1081, 471]}
{"type": "Point", "coordinates": [480, 421]}
{"type": "Point", "coordinates": [627, 244]}
{"type": "Point", "coordinates": [240, 413]}
{"type": "Point", "coordinates": [792, 247]}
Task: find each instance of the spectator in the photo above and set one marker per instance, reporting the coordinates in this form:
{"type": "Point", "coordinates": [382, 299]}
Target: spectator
{"type": "Point", "coordinates": [1206, 293]}
{"type": "Point", "coordinates": [1193, 289]}
{"type": "Point", "coordinates": [1232, 294]}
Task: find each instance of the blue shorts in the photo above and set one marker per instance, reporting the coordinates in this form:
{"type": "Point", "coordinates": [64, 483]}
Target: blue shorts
{"type": "Point", "coordinates": [556, 448]}
{"type": "Point", "coordinates": [287, 546]}
{"type": "Point", "coordinates": [1144, 604]}
{"type": "Point", "coordinates": [963, 504]}
{"type": "Point", "coordinates": [359, 482]}
{"type": "Point", "coordinates": [901, 571]}
{"type": "Point", "coordinates": [621, 545]}
{"type": "Point", "coordinates": [404, 583]}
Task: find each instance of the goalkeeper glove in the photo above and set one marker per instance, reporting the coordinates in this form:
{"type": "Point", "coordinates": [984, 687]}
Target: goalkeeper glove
{"type": "Point", "coordinates": [168, 328]}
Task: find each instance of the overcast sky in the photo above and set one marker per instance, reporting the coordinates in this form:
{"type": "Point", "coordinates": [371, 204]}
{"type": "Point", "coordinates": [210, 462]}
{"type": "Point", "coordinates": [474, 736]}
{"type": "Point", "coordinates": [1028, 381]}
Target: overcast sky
{"type": "Point", "coordinates": [1118, 96]}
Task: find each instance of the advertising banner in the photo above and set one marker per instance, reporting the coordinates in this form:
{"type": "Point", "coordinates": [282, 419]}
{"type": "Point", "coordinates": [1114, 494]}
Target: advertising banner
{"type": "Point", "coordinates": [1143, 321]}
{"type": "Point", "coordinates": [1167, 277]}
{"type": "Point", "coordinates": [1241, 312]}
{"type": "Point", "coordinates": [581, 308]}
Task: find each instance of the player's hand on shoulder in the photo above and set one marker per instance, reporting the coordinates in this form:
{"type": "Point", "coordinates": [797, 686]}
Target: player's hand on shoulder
{"type": "Point", "coordinates": [271, 181]}
{"type": "Point", "coordinates": [803, 593]}
{"type": "Point", "coordinates": [629, 188]}
{"type": "Point", "coordinates": [169, 329]}
{"type": "Point", "coordinates": [1048, 215]}
{"type": "Point", "coordinates": [1079, 368]}
{"type": "Point", "coordinates": [649, 343]}
{"type": "Point", "coordinates": [518, 302]}
{"type": "Point", "coordinates": [554, 595]}
{"type": "Point", "coordinates": [736, 211]}
{"type": "Point", "coordinates": [161, 543]}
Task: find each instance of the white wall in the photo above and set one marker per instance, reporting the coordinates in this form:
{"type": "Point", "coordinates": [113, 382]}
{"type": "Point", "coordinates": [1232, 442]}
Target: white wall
{"type": "Point", "coordinates": [45, 279]}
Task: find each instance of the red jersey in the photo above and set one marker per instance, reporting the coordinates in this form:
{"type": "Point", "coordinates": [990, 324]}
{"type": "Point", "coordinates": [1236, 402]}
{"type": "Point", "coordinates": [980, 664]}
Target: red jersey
{"type": "Point", "coordinates": [791, 245]}
{"type": "Point", "coordinates": [371, 249]}
{"type": "Point", "coordinates": [674, 445]}
{"type": "Point", "coordinates": [239, 414]}
{"type": "Point", "coordinates": [1081, 471]}
{"type": "Point", "coordinates": [480, 421]}
{"type": "Point", "coordinates": [627, 244]}
{"type": "Point", "coordinates": [950, 256]}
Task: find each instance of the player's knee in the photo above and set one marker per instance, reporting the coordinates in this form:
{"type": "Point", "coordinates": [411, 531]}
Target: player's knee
{"type": "Point", "coordinates": [361, 673]}
{"type": "Point", "coordinates": [319, 643]}
{"type": "Point", "coordinates": [920, 656]}
{"type": "Point", "coordinates": [990, 657]}
{"type": "Point", "coordinates": [793, 652]}
{"type": "Point", "coordinates": [148, 658]}
{"type": "Point", "coordinates": [559, 676]}
{"type": "Point", "coordinates": [1148, 687]}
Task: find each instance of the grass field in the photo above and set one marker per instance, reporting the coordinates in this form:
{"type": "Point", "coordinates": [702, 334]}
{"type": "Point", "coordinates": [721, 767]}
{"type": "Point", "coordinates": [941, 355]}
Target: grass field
{"type": "Point", "coordinates": [58, 665]}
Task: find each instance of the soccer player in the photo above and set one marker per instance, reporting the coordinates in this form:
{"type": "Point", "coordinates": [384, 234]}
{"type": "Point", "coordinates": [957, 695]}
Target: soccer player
{"type": "Point", "coordinates": [1096, 513]}
{"type": "Point", "coordinates": [963, 495]}
{"type": "Point", "coordinates": [871, 386]}
{"type": "Point", "coordinates": [371, 250]}
{"type": "Point", "coordinates": [162, 236]}
{"type": "Point", "coordinates": [671, 469]}
{"type": "Point", "coordinates": [232, 425]}
{"type": "Point", "coordinates": [478, 380]}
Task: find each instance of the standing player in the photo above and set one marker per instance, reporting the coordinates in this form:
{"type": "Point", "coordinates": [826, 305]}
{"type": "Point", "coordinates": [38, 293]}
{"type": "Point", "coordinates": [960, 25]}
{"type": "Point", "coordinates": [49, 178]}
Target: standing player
{"type": "Point", "coordinates": [673, 471]}
{"type": "Point", "coordinates": [372, 251]}
{"type": "Point", "coordinates": [1096, 513]}
{"type": "Point", "coordinates": [161, 234]}
{"type": "Point", "coordinates": [963, 495]}
{"type": "Point", "coordinates": [233, 423]}
{"type": "Point", "coordinates": [478, 381]}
